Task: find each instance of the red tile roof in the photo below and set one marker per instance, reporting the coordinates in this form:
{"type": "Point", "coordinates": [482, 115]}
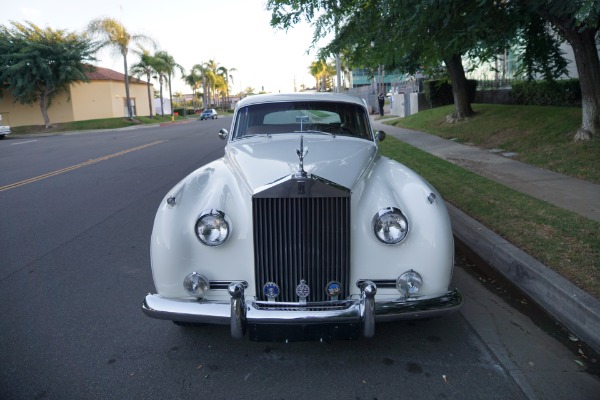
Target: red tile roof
{"type": "Point", "coordinates": [105, 74]}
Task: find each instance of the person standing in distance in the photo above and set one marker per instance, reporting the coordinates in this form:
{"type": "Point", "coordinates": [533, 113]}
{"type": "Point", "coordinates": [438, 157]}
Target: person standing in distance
{"type": "Point", "coordinates": [381, 99]}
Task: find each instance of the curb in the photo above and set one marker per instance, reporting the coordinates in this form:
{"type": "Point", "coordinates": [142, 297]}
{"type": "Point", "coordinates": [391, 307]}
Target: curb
{"type": "Point", "coordinates": [578, 311]}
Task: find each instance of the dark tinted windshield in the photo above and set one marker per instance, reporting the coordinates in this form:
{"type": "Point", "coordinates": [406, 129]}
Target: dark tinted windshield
{"type": "Point", "coordinates": [306, 116]}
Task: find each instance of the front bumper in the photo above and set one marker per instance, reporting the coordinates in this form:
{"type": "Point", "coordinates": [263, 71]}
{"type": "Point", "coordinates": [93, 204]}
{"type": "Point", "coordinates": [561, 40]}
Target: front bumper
{"type": "Point", "coordinates": [293, 321]}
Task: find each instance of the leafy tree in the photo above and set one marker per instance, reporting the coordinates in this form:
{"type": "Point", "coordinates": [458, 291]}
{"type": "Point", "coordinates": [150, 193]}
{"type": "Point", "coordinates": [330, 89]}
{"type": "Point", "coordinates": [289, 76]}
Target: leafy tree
{"type": "Point", "coordinates": [403, 34]}
{"type": "Point", "coordinates": [541, 50]}
{"type": "Point", "coordinates": [36, 64]}
{"type": "Point", "coordinates": [114, 35]}
{"type": "Point", "coordinates": [578, 21]}
{"type": "Point", "coordinates": [145, 67]}
{"type": "Point", "coordinates": [166, 65]}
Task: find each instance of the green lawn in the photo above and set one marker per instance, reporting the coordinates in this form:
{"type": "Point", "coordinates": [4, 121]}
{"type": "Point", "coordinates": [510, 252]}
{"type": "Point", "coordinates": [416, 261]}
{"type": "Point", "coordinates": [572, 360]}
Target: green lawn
{"type": "Point", "coordinates": [107, 123]}
{"type": "Point", "coordinates": [541, 136]}
{"type": "Point", "coordinates": [564, 241]}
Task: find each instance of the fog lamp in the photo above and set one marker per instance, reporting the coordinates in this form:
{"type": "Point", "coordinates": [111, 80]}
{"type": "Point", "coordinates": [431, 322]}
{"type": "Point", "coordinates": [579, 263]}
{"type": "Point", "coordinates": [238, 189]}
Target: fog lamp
{"type": "Point", "coordinates": [196, 285]}
{"type": "Point", "coordinates": [409, 283]}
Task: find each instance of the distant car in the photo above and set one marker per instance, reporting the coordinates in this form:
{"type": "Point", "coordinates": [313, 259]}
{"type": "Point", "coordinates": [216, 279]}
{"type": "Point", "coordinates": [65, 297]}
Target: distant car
{"type": "Point", "coordinates": [302, 230]}
{"type": "Point", "coordinates": [4, 130]}
{"type": "Point", "coordinates": [209, 113]}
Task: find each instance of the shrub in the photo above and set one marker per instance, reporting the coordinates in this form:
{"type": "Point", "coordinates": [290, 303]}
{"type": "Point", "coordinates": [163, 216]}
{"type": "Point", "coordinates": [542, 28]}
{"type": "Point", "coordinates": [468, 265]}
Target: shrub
{"type": "Point", "coordinates": [565, 93]}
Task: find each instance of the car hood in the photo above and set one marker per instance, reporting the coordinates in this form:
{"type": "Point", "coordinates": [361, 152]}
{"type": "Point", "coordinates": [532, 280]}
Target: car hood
{"type": "Point", "coordinates": [265, 159]}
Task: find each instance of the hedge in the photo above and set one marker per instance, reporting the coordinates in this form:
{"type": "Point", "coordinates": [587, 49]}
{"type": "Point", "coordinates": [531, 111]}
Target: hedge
{"type": "Point", "coordinates": [547, 93]}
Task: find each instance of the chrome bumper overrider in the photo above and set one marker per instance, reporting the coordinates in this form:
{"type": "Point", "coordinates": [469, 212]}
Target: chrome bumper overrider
{"type": "Point", "coordinates": [359, 314]}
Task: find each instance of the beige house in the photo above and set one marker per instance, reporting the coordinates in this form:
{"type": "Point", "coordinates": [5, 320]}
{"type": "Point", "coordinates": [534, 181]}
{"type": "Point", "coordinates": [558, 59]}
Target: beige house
{"type": "Point", "coordinates": [102, 97]}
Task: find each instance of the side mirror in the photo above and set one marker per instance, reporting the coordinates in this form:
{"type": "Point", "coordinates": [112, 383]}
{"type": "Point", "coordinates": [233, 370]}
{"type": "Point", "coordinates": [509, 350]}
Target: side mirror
{"type": "Point", "coordinates": [380, 135]}
{"type": "Point", "coordinates": [223, 133]}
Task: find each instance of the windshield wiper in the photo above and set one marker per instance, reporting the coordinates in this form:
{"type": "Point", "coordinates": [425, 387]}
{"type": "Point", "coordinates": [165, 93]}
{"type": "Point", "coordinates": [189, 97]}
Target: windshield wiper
{"type": "Point", "coordinates": [316, 131]}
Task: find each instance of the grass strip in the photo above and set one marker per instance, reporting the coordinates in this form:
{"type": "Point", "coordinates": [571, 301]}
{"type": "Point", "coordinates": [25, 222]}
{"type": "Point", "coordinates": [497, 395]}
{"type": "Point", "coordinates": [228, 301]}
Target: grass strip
{"type": "Point", "coordinates": [562, 240]}
{"type": "Point", "coordinates": [541, 136]}
{"type": "Point", "coordinates": [92, 124]}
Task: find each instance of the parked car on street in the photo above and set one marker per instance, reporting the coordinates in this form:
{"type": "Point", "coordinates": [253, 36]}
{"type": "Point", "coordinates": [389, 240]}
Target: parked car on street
{"type": "Point", "coordinates": [4, 130]}
{"type": "Point", "coordinates": [209, 113]}
{"type": "Point", "coordinates": [302, 230]}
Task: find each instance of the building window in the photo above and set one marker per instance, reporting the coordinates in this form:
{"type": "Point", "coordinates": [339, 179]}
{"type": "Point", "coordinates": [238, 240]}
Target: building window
{"type": "Point", "coordinates": [133, 110]}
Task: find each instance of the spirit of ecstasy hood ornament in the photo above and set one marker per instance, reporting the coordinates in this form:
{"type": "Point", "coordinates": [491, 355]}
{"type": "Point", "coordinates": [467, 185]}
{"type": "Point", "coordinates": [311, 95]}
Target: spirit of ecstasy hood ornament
{"type": "Point", "coordinates": [301, 152]}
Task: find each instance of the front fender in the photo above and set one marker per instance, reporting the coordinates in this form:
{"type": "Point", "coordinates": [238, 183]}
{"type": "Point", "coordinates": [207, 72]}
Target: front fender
{"type": "Point", "coordinates": [429, 245]}
{"type": "Point", "coordinates": [175, 250]}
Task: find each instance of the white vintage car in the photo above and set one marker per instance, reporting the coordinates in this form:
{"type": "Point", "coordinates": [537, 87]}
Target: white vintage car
{"type": "Point", "coordinates": [302, 230]}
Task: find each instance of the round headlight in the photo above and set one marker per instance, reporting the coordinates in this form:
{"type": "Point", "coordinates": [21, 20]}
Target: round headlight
{"type": "Point", "coordinates": [212, 228]}
{"type": "Point", "coordinates": [409, 283]}
{"type": "Point", "coordinates": [196, 285]}
{"type": "Point", "coordinates": [390, 225]}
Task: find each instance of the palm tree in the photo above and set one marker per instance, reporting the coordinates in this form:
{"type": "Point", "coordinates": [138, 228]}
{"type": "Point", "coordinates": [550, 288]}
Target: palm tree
{"type": "Point", "coordinates": [210, 72]}
{"type": "Point", "coordinates": [113, 34]}
{"type": "Point", "coordinates": [226, 74]}
{"type": "Point", "coordinates": [167, 66]}
{"type": "Point", "coordinates": [322, 73]}
{"type": "Point", "coordinates": [193, 80]}
{"type": "Point", "coordinates": [145, 67]}
{"type": "Point", "coordinates": [201, 70]}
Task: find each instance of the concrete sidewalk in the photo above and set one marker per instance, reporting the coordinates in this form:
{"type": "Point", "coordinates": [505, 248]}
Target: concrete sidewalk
{"type": "Point", "coordinates": [575, 309]}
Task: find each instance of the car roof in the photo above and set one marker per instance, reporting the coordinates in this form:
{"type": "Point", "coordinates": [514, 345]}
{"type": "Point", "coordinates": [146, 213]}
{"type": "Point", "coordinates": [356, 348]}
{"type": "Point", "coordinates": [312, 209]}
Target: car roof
{"type": "Point", "coordinates": [282, 97]}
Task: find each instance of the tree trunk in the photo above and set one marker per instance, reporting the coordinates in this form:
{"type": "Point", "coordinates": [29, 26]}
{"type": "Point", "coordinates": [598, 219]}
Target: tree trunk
{"type": "Point", "coordinates": [204, 91]}
{"type": "Point", "coordinates": [588, 68]}
{"type": "Point", "coordinates": [44, 107]}
{"type": "Point", "coordinates": [582, 40]}
{"type": "Point", "coordinates": [170, 95]}
{"type": "Point", "coordinates": [129, 110]}
{"type": "Point", "coordinates": [459, 89]}
{"type": "Point", "coordinates": [149, 96]}
{"type": "Point", "coordinates": [162, 107]}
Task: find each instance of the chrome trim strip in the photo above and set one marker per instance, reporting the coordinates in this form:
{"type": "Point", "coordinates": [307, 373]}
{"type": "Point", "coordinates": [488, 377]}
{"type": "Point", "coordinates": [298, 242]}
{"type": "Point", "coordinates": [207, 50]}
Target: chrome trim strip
{"type": "Point", "coordinates": [225, 284]}
{"type": "Point", "coordinates": [380, 283]}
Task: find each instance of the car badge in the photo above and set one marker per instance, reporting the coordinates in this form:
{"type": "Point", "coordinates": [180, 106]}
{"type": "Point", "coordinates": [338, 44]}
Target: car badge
{"type": "Point", "coordinates": [271, 290]}
{"type": "Point", "coordinates": [333, 290]}
{"type": "Point", "coordinates": [302, 290]}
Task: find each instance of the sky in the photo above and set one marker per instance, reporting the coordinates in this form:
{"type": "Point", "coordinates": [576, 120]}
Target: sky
{"type": "Point", "coordinates": [235, 33]}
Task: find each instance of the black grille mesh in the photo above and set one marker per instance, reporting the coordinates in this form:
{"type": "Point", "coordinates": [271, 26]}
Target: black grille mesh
{"type": "Point", "coordinates": [301, 238]}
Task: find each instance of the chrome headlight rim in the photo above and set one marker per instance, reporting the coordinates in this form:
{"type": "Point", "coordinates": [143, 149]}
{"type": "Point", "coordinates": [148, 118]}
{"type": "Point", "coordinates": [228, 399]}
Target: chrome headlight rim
{"type": "Point", "coordinates": [409, 283]}
{"type": "Point", "coordinates": [209, 223]}
{"type": "Point", "coordinates": [196, 285]}
{"type": "Point", "coordinates": [390, 214]}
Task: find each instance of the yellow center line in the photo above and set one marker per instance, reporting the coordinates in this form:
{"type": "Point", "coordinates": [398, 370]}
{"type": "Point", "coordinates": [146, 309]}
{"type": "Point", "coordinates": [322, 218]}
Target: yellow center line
{"type": "Point", "coordinates": [73, 167]}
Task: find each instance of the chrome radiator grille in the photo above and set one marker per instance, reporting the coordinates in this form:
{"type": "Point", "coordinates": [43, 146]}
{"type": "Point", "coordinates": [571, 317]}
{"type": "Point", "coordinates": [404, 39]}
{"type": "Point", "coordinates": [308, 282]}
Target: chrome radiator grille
{"type": "Point", "coordinates": [305, 236]}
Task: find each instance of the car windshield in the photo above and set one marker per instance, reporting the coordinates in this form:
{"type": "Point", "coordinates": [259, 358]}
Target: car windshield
{"type": "Point", "coordinates": [319, 117]}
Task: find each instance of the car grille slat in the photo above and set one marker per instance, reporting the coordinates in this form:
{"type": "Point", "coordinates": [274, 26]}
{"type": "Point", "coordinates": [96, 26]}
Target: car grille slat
{"type": "Point", "coordinates": [299, 238]}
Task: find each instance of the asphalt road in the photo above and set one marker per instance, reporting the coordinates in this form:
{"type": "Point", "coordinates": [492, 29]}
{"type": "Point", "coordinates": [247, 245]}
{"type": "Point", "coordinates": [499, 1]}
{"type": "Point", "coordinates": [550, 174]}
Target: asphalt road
{"type": "Point", "coordinates": [76, 213]}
